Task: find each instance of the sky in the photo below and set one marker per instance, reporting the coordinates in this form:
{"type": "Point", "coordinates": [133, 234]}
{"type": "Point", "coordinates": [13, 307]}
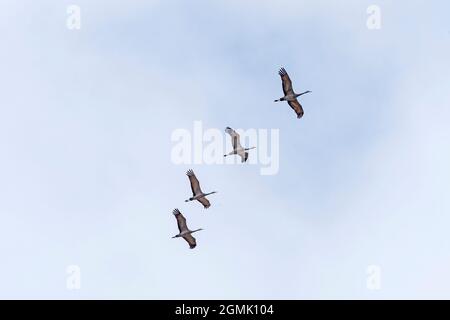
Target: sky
{"type": "Point", "coordinates": [87, 179]}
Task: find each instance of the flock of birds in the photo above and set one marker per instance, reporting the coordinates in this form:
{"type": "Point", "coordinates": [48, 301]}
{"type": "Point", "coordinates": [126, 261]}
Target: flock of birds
{"type": "Point", "coordinates": [197, 194]}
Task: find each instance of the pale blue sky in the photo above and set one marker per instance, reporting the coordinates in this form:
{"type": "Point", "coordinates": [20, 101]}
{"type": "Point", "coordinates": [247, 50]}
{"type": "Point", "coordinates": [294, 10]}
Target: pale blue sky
{"type": "Point", "coordinates": [86, 177]}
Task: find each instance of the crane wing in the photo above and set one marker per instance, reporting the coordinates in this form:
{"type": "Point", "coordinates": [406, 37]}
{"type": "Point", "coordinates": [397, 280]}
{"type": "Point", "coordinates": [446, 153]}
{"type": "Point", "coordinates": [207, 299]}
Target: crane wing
{"type": "Point", "coordinates": [181, 221]}
{"type": "Point", "coordinates": [287, 83]}
{"type": "Point", "coordinates": [191, 240]}
{"type": "Point", "coordinates": [195, 185]}
{"type": "Point", "coordinates": [204, 202]}
{"type": "Point", "coordinates": [244, 156]}
{"type": "Point", "coordinates": [297, 108]}
{"type": "Point", "coordinates": [235, 138]}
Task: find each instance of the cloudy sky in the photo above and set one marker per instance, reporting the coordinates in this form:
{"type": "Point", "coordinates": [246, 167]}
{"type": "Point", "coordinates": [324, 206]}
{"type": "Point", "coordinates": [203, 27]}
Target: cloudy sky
{"type": "Point", "coordinates": [87, 179]}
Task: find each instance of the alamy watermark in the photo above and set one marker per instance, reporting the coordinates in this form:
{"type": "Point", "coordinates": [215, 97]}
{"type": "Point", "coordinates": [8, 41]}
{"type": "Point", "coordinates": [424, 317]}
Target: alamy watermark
{"type": "Point", "coordinates": [209, 146]}
{"type": "Point", "coordinates": [73, 280]}
{"type": "Point", "coordinates": [373, 280]}
{"type": "Point", "coordinates": [73, 21]}
{"type": "Point", "coordinates": [374, 19]}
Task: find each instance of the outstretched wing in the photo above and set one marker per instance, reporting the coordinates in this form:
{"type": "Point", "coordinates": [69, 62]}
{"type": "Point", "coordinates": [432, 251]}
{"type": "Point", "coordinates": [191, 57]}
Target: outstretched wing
{"type": "Point", "coordinates": [204, 202]}
{"type": "Point", "coordinates": [297, 108]}
{"type": "Point", "coordinates": [287, 83]}
{"type": "Point", "coordinates": [235, 138]}
{"type": "Point", "coordinates": [195, 185]}
{"type": "Point", "coordinates": [244, 155]}
{"type": "Point", "coordinates": [191, 240]}
{"type": "Point", "coordinates": [181, 221]}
